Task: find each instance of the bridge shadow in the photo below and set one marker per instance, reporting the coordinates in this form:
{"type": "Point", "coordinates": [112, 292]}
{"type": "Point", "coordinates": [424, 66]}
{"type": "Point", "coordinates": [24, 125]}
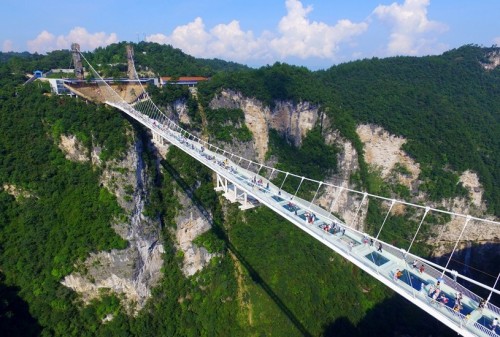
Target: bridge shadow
{"type": "Point", "coordinates": [479, 262]}
{"type": "Point", "coordinates": [221, 233]}
{"type": "Point", "coordinates": [395, 316]}
{"type": "Point", "coordinates": [15, 318]}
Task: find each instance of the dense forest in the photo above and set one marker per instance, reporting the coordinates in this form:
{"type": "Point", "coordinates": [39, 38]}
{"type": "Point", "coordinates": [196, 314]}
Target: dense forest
{"type": "Point", "coordinates": [447, 106]}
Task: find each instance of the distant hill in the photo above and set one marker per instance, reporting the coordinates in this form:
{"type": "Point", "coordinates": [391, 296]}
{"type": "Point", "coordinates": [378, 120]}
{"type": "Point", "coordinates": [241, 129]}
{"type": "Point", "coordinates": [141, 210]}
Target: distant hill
{"type": "Point", "coordinates": [266, 277]}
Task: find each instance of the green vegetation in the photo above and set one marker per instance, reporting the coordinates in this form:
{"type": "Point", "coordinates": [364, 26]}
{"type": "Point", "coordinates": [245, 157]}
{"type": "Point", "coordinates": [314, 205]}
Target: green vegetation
{"type": "Point", "coordinates": [66, 214]}
{"type": "Point", "coordinates": [446, 106]}
{"type": "Point", "coordinates": [163, 59]}
{"type": "Point", "coordinates": [227, 125]}
{"type": "Point", "coordinates": [168, 94]}
{"type": "Point", "coordinates": [450, 123]}
{"type": "Point", "coordinates": [268, 277]}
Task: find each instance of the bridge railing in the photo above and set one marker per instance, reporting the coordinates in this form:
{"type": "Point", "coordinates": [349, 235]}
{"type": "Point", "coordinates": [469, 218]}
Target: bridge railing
{"type": "Point", "coordinates": [460, 320]}
{"type": "Point", "coordinates": [155, 119]}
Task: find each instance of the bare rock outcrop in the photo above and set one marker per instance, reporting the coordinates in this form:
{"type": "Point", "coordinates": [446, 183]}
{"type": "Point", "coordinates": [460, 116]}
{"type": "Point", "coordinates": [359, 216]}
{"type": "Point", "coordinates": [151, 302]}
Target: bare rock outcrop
{"type": "Point", "coordinates": [293, 121]}
{"type": "Point", "coordinates": [383, 150]}
{"type": "Point", "coordinates": [195, 257]}
{"type": "Point", "coordinates": [17, 192]}
{"type": "Point", "coordinates": [493, 60]}
{"type": "Point", "coordinates": [338, 200]}
{"type": "Point", "coordinates": [73, 149]}
{"type": "Point", "coordinates": [191, 223]}
{"type": "Point", "coordinates": [131, 272]}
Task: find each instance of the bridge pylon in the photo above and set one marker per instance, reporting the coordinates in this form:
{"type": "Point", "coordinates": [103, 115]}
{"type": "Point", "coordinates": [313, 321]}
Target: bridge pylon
{"type": "Point", "coordinates": [77, 60]}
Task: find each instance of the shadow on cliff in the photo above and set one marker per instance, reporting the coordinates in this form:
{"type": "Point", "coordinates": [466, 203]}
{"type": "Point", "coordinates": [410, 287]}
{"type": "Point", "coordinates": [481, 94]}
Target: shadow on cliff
{"type": "Point", "coordinates": [395, 316]}
{"type": "Point", "coordinates": [219, 231]}
{"type": "Point", "coordinates": [480, 262]}
{"type": "Point", "coordinates": [15, 318]}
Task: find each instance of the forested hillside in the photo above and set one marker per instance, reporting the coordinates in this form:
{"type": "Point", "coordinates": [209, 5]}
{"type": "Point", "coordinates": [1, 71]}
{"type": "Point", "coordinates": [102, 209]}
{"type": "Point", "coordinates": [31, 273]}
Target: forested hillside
{"type": "Point", "coordinates": [267, 278]}
{"type": "Point", "coordinates": [448, 107]}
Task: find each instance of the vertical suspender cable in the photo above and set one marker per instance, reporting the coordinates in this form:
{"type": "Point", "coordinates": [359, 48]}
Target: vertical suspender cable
{"type": "Point", "coordinates": [359, 207]}
{"type": "Point", "coordinates": [494, 285]}
{"type": "Point", "coordinates": [456, 244]}
{"type": "Point", "coordinates": [286, 175]}
{"type": "Point", "coordinates": [301, 180]}
{"type": "Point", "coordinates": [389, 212]}
{"type": "Point", "coordinates": [320, 183]}
{"type": "Point", "coordinates": [334, 201]}
{"type": "Point", "coordinates": [418, 229]}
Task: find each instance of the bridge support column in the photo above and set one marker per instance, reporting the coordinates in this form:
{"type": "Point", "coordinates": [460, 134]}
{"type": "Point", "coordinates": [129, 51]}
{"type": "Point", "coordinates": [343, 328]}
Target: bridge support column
{"type": "Point", "coordinates": [233, 193]}
{"type": "Point", "coordinates": [221, 184]}
{"type": "Point", "coordinates": [159, 139]}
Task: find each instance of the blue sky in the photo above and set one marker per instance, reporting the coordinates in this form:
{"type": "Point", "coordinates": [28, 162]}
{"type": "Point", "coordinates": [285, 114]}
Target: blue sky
{"type": "Point", "coordinates": [313, 33]}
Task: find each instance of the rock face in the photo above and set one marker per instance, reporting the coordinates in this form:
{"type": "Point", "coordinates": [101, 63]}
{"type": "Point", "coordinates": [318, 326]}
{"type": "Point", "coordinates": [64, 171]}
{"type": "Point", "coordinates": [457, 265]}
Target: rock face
{"type": "Point", "coordinates": [73, 149]}
{"type": "Point", "coordinates": [132, 272]}
{"type": "Point", "coordinates": [494, 60]}
{"type": "Point", "coordinates": [292, 121]}
{"type": "Point", "coordinates": [17, 192]}
{"type": "Point", "coordinates": [190, 224]}
{"type": "Point", "coordinates": [383, 151]}
{"type": "Point", "coordinates": [346, 205]}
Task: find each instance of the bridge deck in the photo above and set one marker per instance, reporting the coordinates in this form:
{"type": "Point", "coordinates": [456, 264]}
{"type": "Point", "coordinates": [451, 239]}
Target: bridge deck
{"type": "Point", "coordinates": [417, 286]}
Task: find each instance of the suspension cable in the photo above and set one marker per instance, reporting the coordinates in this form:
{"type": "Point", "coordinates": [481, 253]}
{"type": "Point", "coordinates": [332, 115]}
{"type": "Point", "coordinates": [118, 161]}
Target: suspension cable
{"type": "Point", "coordinates": [456, 243]}
{"type": "Point", "coordinates": [415, 236]}
{"type": "Point", "coordinates": [387, 215]}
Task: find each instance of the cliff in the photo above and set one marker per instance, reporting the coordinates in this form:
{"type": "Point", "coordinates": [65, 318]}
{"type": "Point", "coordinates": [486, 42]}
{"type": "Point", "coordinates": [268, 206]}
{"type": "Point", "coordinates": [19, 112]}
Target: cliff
{"type": "Point", "coordinates": [382, 152]}
{"type": "Point", "coordinates": [132, 272]}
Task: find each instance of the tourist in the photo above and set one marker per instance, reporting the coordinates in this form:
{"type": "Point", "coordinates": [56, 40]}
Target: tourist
{"type": "Point", "coordinates": [435, 296]}
{"type": "Point", "coordinates": [421, 269]}
{"type": "Point", "coordinates": [371, 242]}
{"type": "Point", "coordinates": [443, 299]}
{"type": "Point", "coordinates": [397, 275]}
{"type": "Point", "coordinates": [414, 264]}
{"type": "Point", "coordinates": [482, 305]}
{"type": "Point", "coordinates": [494, 325]}
{"type": "Point", "coordinates": [379, 247]}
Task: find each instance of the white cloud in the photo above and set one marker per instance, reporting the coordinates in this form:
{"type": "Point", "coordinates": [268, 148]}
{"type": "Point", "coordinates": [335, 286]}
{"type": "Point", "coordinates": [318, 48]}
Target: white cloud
{"type": "Point", "coordinates": [412, 33]}
{"type": "Point", "coordinates": [46, 41]}
{"type": "Point", "coordinates": [7, 46]}
{"type": "Point", "coordinates": [223, 40]}
{"type": "Point", "coordinates": [303, 38]}
{"type": "Point", "coordinates": [297, 36]}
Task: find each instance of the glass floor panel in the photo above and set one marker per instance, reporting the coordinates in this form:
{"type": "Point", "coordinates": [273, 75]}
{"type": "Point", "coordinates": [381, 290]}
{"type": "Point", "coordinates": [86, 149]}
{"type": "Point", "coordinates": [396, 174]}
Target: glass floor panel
{"type": "Point", "coordinates": [377, 258]}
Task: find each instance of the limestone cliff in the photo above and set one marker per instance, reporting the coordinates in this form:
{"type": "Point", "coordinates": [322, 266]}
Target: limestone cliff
{"type": "Point", "coordinates": [293, 121]}
{"type": "Point", "coordinates": [132, 272]}
{"type": "Point", "coordinates": [191, 223]}
{"type": "Point", "coordinates": [382, 151]}
{"type": "Point", "coordinates": [493, 60]}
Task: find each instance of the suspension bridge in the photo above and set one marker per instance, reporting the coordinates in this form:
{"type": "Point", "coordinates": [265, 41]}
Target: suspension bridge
{"type": "Point", "coordinates": [436, 289]}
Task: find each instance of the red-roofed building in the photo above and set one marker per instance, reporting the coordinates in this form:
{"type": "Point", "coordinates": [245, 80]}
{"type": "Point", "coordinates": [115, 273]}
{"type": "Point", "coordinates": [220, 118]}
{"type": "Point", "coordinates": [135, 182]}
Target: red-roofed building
{"type": "Point", "coordinates": [190, 81]}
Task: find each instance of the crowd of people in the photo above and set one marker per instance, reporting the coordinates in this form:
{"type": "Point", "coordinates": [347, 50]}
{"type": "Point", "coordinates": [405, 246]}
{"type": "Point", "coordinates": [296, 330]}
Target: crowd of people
{"type": "Point", "coordinates": [434, 290]}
